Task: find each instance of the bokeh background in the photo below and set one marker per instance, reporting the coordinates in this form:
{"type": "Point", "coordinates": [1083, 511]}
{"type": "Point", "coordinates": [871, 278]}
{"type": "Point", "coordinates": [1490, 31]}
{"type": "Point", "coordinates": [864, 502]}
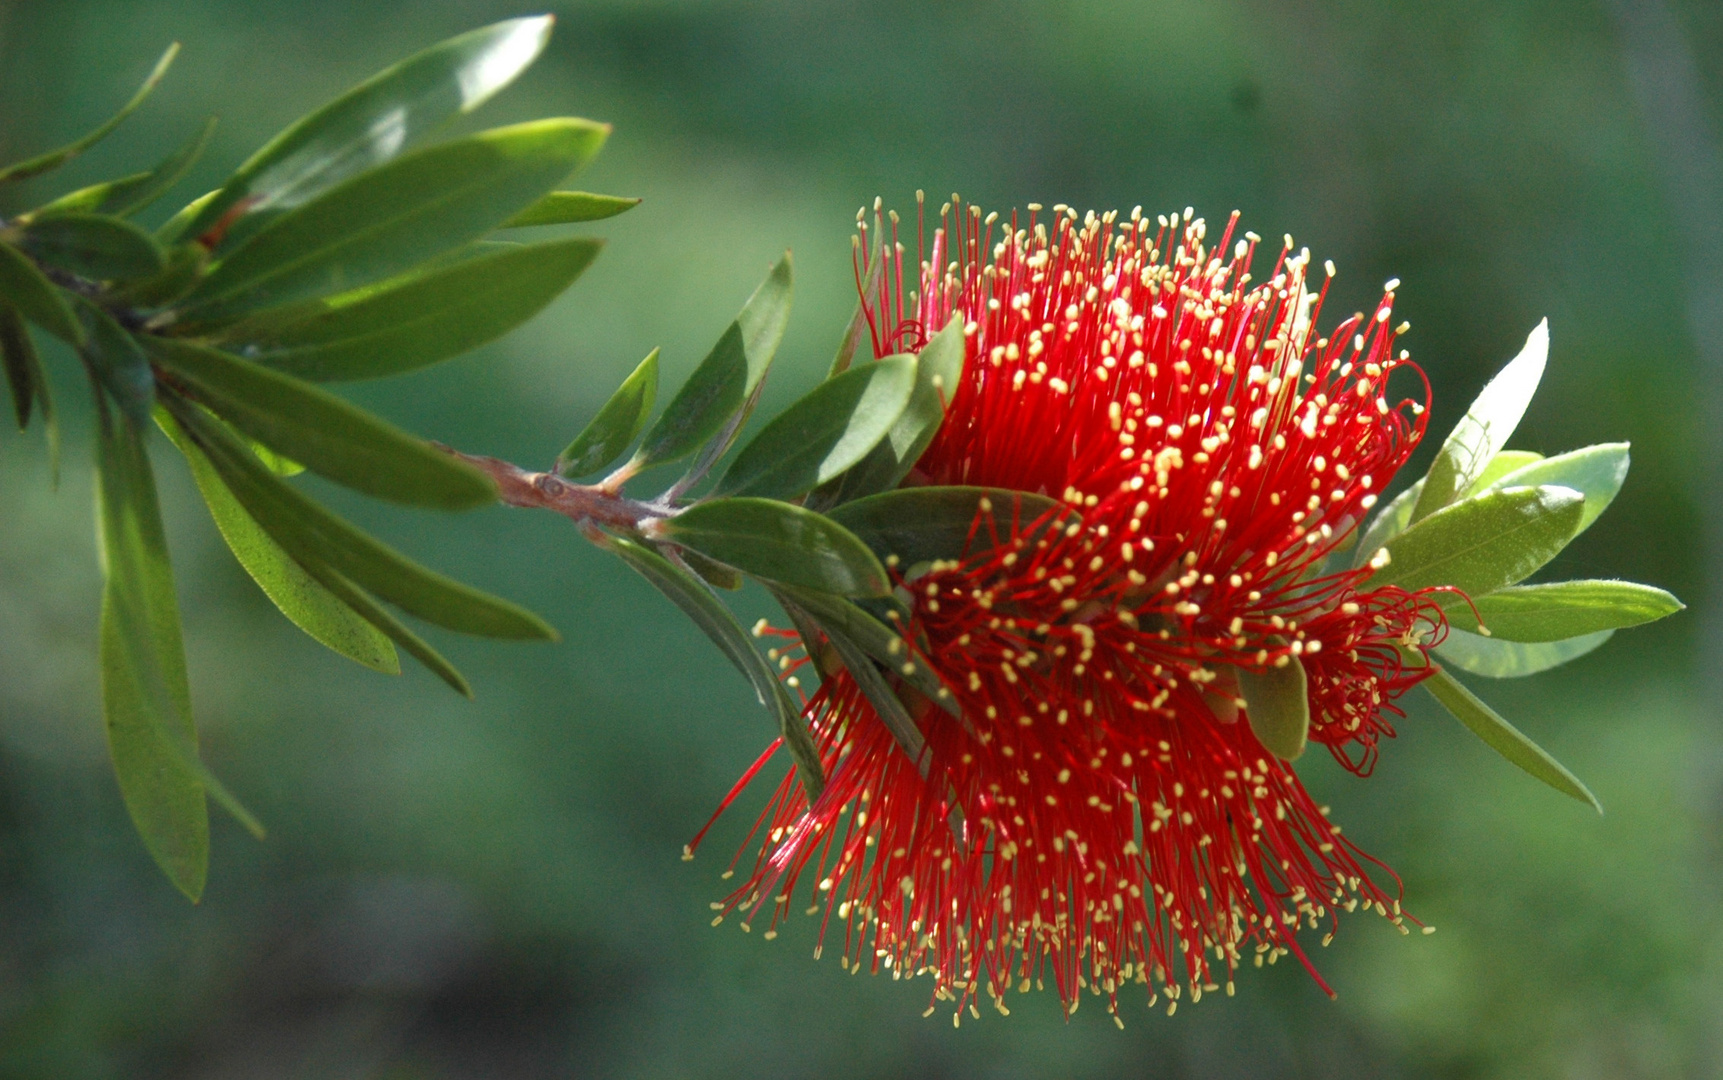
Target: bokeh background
{"type": "Point", "coordinates": [494, 889]}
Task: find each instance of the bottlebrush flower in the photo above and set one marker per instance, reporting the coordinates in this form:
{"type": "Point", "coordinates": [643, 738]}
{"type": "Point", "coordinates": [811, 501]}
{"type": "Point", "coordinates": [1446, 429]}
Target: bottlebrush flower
{"type": "Point", "coordinates": [1101, 816]}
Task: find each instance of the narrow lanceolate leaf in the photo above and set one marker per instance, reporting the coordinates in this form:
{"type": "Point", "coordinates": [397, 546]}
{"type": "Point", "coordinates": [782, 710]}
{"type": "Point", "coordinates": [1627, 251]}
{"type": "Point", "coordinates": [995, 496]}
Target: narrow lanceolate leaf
{"type": "Point", "coordinates": [1505, 739]}
{"type": "Point", "coordinates": [128, 195]}
{"type": "Point", "coordinates": [115, 358]}
{"type": "Point", "coordinates": [415, 320]}
{"type": "Point", "coordinates": [172, 231]}
{"type": "Point", "coordinates": [779, 542]}
{"type": "Point", "coordinates": [183, 270]}
{"type": "Point", "coordinates": [617, 424]}
{"type": "Point", "coordinates": [1562, 609]}
{"type": "Point", "coordinates": [23, 170]}
{"type": "Point", "coordinates": [35, 297]}
{"type": "Point", "coordinates": [837, 424]}
{"type": "Point", "coordinates": [569, 207]}
{"type": "Point", "coordinates": [939, 372]}
{"type": "Point", "coordinates": [23, 366]}
{"type": "Point", "coordinates": [95, 246]}
{"type": "Point", "coordinates": [374, 121]}
{"type": "Point", "coordinates": [386, 221]}
{"type": "Point", "coordinates": [314, 536]}
{"type": "Point", "coordinates": [1513, 659]}
{"type": "Point", "coordinates": [1501, 465]}
{"type": "Point", "coordinates": [875, 639]}
{"type": "Point", "coordinates": [392, 628]}
{"type": "Point", "coordinates": [716, 622]}
{"type": "Point", "coordinates": [724, 382]}
{"type": "Point", "coordinates": [858, 323]}
{"type": "Point", "coordinates": [922, 524]}
{"type": "Point", "coordinates": [886, 704]}
{"type": "Point", "coordinates": [1389, 522]}
{"type": "Point", "coordinates": [309, 605]}
{"type": "Point", "coordinates": [1485, 543]}
{"type": "Point", "coordinates": [1595, 471]}
{"type": "Point", "coordinates": [320, 431]}
{"type": "Point", "coordinates": [1485, 428]}
{"type": "Point", "coordinates": [145, 697]}
{"type": "Point", "coordinates": [1277, 701]}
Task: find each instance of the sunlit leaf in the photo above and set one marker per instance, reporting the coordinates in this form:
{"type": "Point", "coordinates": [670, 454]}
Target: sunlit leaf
{"type": "Point", "coordinates": [309, 605]}
{"type": "Point", "coordinates": [35, 297]}
{"type": "Point", "coordinates": [387, 221]}
{"type": "Point", "coordinates": [1484, 543]}
{"type": "Point", "coordinates": [128, 195]}
{"type": "Point", "coordinates": [617, 424]}
{"type": "Point", "coordinates": [419, 319]}
{"type": "Point", "coordinates": [35, 166]}
{"type": "Point", "coordinates": [1277, 701]}
{"type": "Point", "coordinates": [823, 434]}
{"type": "Point", "coordinates": [779, 542]}
{"type": "Point", "coordinates": [939, 372]}
{"type": "Point", "coordinates": [1500, 659]}
{"type": "Point", "coordinates": [1505, 739]}
{"type": "Point", "coordinates": [321, 431]}
{"type": "Point", "coordinates": [375, 121]}
{"type": "Point", "coordinates": [569, 207]}
{"type": "Point", "coordinates": [1485, 428]}
{"type": "Point", "coordinates": [718, 624]}
{"type": "Point", "coordinates": [921, 524]}
{"type": "Point", "coordinates": [95, 246]}
{"type": "Point", "coordinates": [723, 383]}
{"type": "Point", "coordinates": [1501, 465]}
{"type": "Point", "coordinates": [1597, 472]}
{"type": "Point", "coordinates": [172, 231]}
{"type": "Point", "coordinates": [1562, 609]}
{"type": "Point", "coordinates": [314, 536]}
{"type": "Point", "coordinates": [1388, 523]}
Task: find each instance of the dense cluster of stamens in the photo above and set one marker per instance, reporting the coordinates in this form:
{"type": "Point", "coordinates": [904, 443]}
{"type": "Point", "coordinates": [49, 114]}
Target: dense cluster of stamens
{"type": "Point", "coordinates": [1100, 815]}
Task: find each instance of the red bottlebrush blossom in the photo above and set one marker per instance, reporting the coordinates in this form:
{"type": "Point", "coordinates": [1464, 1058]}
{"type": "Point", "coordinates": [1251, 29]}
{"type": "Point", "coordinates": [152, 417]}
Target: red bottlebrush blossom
{"type": "Point", "coordinates": [1102, 815]}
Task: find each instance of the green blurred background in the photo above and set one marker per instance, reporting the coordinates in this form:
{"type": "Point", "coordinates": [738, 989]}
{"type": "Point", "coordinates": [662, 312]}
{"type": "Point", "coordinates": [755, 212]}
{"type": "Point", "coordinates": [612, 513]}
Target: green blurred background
{"type": "Point", "coordinates": [494, 889]}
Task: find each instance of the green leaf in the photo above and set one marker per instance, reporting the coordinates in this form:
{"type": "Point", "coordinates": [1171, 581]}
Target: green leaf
{"type": "Point", "coordinates": [1596, 471]}
{"type": "Point", "coordinates": [416, 320]}
{"type": "Point", "coordinates": [1505, 739]}
{"type": "Point", "coordinates": [36, 297]}
{"type": "Point", "coordinates": [23, 366]}
{"type": "Point", "coordinates": [616, 425]}
{"type": "Point", "coordinates": [858, 323]}
{"type": "Point", "coordinates": [939, 372]}
{"type": "Point", "coordinates": [1485, 428]}
{"type": "Point", "coordinates": [23, 170]}
{"type": "Point", "coordinates": [1485, 543]}
{"type": "Point", "coordinates": [779, 542]}
{"type": "Point", "coordinates": [173, 229]}
{"type": "Point", "coordinates": [184, 269]}
{"type": "Point", "coordinates": [392, 628]}
{"type": "Point", "coordinates": [116, 360]}
{"type": "Point", "coordinates": [94, 246]}
{"type": "Point", "coordinates": [715, 574]}
{"type": "Point", "coordinates": [297, 594]}
{"type": "Point", "coordinates": [1562, 609]}
{"type": "Point", "coordinates": [1513, 659]}
{"type": "Point", "coordinates": [374, 121]}
{"type": "Point", "coordinates": [819, 437]}
{"type": "Point", "coordinates": [321, 431]}
{"type": "Point", "coordinates": [313, 536]}
{"type": "Point", "coordinates": [145, 697]}
{"type": "Point", "coordinates": [875, 639]}
{"type": "Point", "coordinates": [130, 194]}
{"type": "Point", "coordinates": [1277, 701]}
{"type": "Point", "coordinates": [1388, 523]}
{"type": "Point", "coordinates": [1501, 465]}
{"type": "Point", "coordinates": [568, 207]}
{"type": "Point", "coordinates": [384, 222]}
{"type": "Point", "coordinates": [716, 622]}
{"type": "Point", "coordinates": [723, 383]}
{"type": "Point", "coordinates": [886, 704]}
{"type": "Point", "coordinates": [922, 524]}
